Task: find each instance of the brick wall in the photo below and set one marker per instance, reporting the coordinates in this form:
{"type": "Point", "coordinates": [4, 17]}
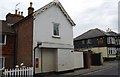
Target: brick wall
{"type": "Point", "coordinates": [13, 18]}
{"type": "Point", "coordinates": [8, 51]}
{"type": "Point", "coordinates": [25, 41]}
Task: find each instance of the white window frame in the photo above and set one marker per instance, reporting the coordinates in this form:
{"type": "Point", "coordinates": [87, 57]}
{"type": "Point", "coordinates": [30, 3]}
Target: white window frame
{"type": "Point", "coordinates": [111, 40]}
{"type": "Point", "coordinates": [4, 40]}
{"type": "Point", "coordinates": [58, 34]}
{"type": "Point", "coordinates": [3, 62]}
{"type": "Point", "coordinates": [112, 51]}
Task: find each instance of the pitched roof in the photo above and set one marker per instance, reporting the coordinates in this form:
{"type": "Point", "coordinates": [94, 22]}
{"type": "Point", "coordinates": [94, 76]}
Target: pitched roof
{"type": "Point", "coordinates": [5, 28]}
{"type": "Point", "coordinates": [111, 33]}
{"type": "Point", "coordinates": [118, 34]}
{"type": "Point", "coordinates": [95, 33]}
{"type": "Point", "coordinates": [57, 3]}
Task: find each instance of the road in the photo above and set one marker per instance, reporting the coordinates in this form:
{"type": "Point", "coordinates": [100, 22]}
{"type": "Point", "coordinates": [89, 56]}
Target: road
{"type": "Point", "coordinates": [111, 69]}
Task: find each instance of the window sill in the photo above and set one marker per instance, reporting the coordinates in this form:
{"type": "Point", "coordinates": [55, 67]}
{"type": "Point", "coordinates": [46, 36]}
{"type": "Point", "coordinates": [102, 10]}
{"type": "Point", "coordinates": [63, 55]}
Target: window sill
{"type": "Point", "coordinates": [2, 44]}
{"type": "Point", "coordinates": [54, 36]}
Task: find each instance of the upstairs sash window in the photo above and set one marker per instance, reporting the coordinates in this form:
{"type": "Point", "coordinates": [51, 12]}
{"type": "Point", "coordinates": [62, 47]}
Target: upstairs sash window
{"type": "Point", "coordinates": [55, 29]}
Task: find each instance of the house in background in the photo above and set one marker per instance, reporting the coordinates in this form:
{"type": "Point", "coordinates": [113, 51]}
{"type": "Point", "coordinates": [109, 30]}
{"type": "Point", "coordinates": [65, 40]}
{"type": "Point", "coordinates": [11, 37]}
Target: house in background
{"type": "Point", "coordinates": [7, 43]}
{"type": "Point", "coordinates": [7, 40]}
{"type": "Point", "coordinates": [98, 41]}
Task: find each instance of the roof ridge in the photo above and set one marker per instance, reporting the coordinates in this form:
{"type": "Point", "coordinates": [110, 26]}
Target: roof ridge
{"type": "Point", "coordinates": [101, 31]}
{"type": "Point", "coordinates": [83, 33]}
{"type": "Point", "coordinates": [55, 1]}
{"type": "Point", "coordinates": [87, 32]}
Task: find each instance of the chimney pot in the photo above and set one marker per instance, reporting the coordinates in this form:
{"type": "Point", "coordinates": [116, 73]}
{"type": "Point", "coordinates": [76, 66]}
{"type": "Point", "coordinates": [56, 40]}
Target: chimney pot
{"type": "Point", "coordinates": [21, 13]}
{"type": "Point", "coordinates": [16, 12]}
{"type": "Point", "coordinates": [30, 4]}
{"type": "Point", "coordinates": [30, 9]}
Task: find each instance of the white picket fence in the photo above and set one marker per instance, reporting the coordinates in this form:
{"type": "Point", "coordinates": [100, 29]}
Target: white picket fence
{"type": "Point", "coordinates": [19, 72]}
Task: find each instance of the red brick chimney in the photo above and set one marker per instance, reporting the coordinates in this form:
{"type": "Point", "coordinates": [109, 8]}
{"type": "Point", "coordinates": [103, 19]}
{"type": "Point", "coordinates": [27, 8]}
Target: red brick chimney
{"type": "Point", "coordinates": [13, 18]}
{"type": "Point", "coordinates": [30, 9]}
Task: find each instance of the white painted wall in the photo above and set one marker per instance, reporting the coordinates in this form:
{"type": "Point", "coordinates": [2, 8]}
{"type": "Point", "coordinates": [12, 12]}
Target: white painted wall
{"type": "Point", "coordinates": [38, 55]}
{"type": "Point", "coordinates": [43, 27]}
{"type": "Point", "coordinates": [43, 32]}
{"type": "Point", "coordinates": [102, 50]}
{"type": "Point", "coordinates": [65, 59]}
{"type": "Point", "coordinates": [78, 60]}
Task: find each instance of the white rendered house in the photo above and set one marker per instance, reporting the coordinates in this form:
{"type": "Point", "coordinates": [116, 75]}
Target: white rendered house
{"type": "Point", "coordinates": [53, 31]}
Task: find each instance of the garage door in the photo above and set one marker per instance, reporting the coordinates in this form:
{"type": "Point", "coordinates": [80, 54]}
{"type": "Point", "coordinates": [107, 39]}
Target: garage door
{"type": "Point", "coordinates": [49, 60]}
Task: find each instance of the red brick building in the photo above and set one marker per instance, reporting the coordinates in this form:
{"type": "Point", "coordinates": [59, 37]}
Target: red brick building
{"type": "Point", "coordinates": [16, 39]}
{"type": "Point", "coordinates": [7, 44]}
{"type": "Point", "coordinates": [8, 40]}
{"type": "Point", "coordinates": [24, 39]}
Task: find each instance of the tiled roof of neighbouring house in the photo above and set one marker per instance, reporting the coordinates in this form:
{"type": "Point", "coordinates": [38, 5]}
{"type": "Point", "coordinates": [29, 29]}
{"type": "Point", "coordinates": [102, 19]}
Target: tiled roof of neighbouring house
{"type": "Point", "coordinates": [95, 33]}
{"type": "Point", "coordinates": [5, 28]}
{"type": "Point", "coordinates": [111, 33]}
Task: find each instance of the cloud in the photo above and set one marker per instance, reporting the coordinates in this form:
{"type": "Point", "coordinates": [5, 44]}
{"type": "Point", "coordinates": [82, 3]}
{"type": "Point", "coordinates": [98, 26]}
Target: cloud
{"type": "Point", "coordinates": [102, 16]}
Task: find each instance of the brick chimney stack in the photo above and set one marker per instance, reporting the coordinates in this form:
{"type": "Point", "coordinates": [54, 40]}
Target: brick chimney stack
{"type": "Point", "coordinates": [13, 18]}
{"type": "Point", "coordinates": [30, 9]}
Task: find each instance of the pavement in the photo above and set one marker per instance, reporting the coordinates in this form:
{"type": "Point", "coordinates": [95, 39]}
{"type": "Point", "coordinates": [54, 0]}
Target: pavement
{"type": "Point", "coordinates": [92, 68]}
{"type": "Point", "coordinates": [84, 71]}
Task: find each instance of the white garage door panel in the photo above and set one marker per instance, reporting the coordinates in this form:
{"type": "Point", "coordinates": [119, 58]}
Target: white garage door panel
{"type": "Point", "coordinates": [78, 60]}
{"type": "Point", "coordinates": [48, 60]}
{"type": "Point", "coordinates": [65, 59]}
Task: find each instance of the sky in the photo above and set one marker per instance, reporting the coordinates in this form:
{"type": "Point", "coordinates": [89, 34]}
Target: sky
{"type": "Point", "coordinates": [87, 14]}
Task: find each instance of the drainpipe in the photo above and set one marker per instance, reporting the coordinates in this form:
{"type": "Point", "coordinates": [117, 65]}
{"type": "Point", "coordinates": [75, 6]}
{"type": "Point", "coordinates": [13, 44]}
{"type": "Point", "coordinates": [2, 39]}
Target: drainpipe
{"type": "Point", "coordinates": [39, 43]}
{"type": "Point", "coordinates": [41, 61]}
{"type": "Point", "coordinates": [15, 50]}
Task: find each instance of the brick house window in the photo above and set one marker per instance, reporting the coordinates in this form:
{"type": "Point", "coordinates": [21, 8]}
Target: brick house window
{"type": "Point", "coordinates": [2, 62]}
{"type": "Point", "coordinates": [2, 39]}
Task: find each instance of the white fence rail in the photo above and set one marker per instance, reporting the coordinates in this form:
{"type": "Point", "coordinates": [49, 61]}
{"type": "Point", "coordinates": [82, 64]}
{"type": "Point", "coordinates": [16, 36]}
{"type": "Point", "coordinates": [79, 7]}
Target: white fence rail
{"type": "Point", "coordinates": [19, 72]}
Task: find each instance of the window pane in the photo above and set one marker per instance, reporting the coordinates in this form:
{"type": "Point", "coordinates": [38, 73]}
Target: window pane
{"type": "Point", "coordinates": [1, 63]}
{"type": "Point", "coordinates": [56, 29]}
{"type": "Point", "coordinates": [2, 38]}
